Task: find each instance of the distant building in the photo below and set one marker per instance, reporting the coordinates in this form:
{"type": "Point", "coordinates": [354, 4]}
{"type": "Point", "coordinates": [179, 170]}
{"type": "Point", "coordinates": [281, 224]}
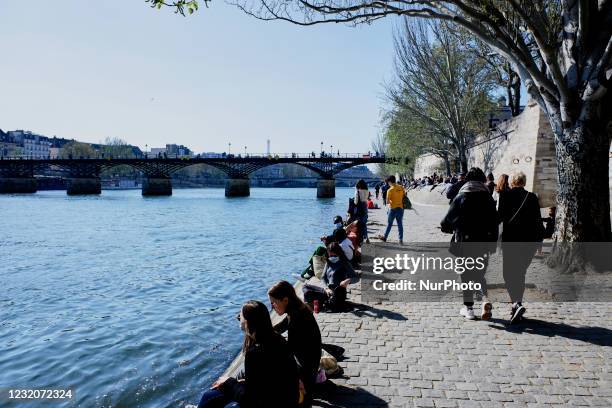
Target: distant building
{"type": "Point", "coordinates": [8, 147]}
{"type": "Point", "coordinates": [173, 150]}
{"type": "Point", "coordinates": [211, 155]}
{"type": "Point", "coordinates": [34, 146]}
{"type": "Point", "coordinates": [275, 171]}
{"type": "Point", "coordinates": [501, 115]}
{"type": "Point", "coordinates": [157, 151]}
{"type": "Point", "coordinates": [357, 172]}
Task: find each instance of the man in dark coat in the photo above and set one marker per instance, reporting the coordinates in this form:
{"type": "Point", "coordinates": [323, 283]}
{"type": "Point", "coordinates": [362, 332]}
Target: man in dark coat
{"type": "Point", "coordinates": [473, 221]}
{"type": "Point", "coordinates": [454, 189]}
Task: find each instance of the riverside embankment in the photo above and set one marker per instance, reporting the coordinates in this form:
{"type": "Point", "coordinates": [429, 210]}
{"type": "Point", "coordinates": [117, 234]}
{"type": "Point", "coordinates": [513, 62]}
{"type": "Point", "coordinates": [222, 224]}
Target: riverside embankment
{"type": "Point", "coordinates": [419, 354]}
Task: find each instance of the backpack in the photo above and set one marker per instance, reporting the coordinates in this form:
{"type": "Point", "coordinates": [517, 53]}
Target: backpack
{"type": "Point", "coordinates": [406, 203]}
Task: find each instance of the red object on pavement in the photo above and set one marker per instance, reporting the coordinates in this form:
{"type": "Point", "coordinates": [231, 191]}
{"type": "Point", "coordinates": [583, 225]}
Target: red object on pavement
{"type": "Point", "coordinates": [316, 305]}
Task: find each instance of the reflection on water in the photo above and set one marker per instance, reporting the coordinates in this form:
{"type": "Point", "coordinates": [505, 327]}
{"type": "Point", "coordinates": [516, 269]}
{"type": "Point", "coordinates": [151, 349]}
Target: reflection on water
{"type": "Point", "coordinates": [131, 300]}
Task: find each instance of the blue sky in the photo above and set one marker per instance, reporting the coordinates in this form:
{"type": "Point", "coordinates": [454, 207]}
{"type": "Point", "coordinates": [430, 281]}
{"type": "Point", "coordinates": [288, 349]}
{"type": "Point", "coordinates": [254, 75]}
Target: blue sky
{"type": "Point", "coordinates": [117, 68]}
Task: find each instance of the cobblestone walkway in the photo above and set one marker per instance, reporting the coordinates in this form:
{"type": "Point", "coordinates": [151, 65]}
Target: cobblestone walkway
{"type": "Point", "coordinates": [426, 355]}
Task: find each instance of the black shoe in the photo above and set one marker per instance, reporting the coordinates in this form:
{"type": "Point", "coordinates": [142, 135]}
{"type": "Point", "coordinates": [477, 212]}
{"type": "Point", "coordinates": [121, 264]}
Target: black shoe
{"type": "Point", "coordinates": [517, 313]}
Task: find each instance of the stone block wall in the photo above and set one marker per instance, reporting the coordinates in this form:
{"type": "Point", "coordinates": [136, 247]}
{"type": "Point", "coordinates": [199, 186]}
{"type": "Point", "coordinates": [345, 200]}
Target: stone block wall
{"type": "Point", "coordinates": [524, 143]}
{"type": "Point", "coordinates": [428, 164]}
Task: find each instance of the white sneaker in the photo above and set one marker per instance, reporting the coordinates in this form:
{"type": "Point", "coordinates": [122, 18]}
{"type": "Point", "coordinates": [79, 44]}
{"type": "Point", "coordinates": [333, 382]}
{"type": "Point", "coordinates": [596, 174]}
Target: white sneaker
{"type": "Point", "coordinates": [467, 312]}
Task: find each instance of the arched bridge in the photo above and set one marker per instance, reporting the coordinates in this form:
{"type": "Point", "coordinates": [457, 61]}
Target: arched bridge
{"type": "Point", "coordinates": [83, 174]}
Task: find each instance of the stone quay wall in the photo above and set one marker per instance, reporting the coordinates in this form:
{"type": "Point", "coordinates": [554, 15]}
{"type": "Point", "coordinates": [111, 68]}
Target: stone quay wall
{"type": "Point", "coordinates": [524, 143]}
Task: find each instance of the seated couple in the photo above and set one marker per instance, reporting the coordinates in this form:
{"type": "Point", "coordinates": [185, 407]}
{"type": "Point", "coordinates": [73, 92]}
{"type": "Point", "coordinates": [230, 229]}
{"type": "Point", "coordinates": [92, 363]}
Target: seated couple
{"type": "Point", "coordinates": [348, 240]}
{"type": "Point", "coordinates": [337, 275]}
{"type": "Point", "coordinates": [277, 373]}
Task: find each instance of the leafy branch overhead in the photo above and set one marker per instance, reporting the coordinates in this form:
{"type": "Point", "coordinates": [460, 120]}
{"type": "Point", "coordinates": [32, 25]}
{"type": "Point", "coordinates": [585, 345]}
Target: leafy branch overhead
{"type": "Point", "coordinates": [442, 95]}
{"type": "Point", "coordinates": [560, 49]}
{"type": "Point", "coordinates": [182, 7]}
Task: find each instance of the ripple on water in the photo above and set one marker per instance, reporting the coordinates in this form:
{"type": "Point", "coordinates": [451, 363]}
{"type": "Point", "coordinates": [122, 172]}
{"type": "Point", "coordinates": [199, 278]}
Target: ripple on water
{"type": "Point", "coordinates": [133, 301]}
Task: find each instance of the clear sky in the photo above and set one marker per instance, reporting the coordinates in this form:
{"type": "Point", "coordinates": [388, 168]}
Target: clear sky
{"type": "Point", "coordinates": [116, 68]}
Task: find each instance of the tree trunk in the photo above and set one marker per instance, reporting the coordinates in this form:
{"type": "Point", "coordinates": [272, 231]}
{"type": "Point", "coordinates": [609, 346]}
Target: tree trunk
{"type": "Point", "coordinates": [583, 200]}
{"type": "Point", "coordinates": [447, 165]}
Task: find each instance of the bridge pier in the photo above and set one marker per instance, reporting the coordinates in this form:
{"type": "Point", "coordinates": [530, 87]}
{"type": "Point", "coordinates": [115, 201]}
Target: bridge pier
{"type": "Point", "coordinates": [84, 185]}
{"type": "Point", "coordinates": [11, 185]}
{"type": "Point", "coordinates": [326, 188]}
{"type": "Point", "coordinates": [237, 187]}
{"type": "Point", "coordinates": [157, 186]}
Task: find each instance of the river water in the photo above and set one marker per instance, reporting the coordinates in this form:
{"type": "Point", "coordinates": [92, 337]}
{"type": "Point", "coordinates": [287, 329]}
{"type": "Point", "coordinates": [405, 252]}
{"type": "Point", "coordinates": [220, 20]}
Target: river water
{"type": "Point", "coordinates": [131, 301]}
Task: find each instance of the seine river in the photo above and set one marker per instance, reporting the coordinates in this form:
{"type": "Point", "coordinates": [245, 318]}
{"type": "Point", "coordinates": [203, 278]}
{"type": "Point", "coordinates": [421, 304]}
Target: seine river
{"type": "Point", "coordinates": [131, 301]}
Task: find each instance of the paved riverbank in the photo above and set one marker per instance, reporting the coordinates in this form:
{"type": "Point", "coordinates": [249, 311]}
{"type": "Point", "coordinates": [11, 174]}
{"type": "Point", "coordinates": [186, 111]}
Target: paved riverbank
{"type": "Point", "coordinates": [426, 355]}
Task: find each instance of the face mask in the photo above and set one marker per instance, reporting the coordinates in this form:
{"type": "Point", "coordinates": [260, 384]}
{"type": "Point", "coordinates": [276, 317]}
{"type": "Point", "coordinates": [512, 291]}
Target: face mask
{"type": "Point", "coordinates": [242, 326]}
{"type": "Point", "coordinates": [338, 225]}
{"type": "Point", "coordinates": [334, 259]}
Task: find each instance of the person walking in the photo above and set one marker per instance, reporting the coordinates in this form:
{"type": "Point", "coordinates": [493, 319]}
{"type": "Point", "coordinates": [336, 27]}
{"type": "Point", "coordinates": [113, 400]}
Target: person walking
{"type": "Point", "coordinates": [377, 189]}
{"type": "Point", "coordinates": [383, 189]}
{"type": "Point", "coordinates": [361, 208]}
{"type": "Point", "coordinates": [473, 221]}
{"type": "Point", "coordinates": [500, 188]}
{"type": "Point", "coordinates": [490, 183]}
{"type": "Point", "coordinates": [453, 190]}
{"type": "Point", "coordinates": [522, 235]}
{"type": "Point", "coordinates": [395, 202]}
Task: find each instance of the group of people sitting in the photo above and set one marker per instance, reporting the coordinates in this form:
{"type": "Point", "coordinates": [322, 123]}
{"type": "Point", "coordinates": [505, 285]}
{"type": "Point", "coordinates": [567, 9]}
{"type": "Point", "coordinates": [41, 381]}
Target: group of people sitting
{"type": "Point", "coordinates": [333, 264]}
{"type": "Point", "coordinates": [297, 359]}
{"type": "Point", "coordinates": [277, 373]}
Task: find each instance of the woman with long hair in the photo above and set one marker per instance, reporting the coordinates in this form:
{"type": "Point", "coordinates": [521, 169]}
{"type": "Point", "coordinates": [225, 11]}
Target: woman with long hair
{"type": "Point", "coordinates": [270, 376]}
{"type": "Point", "coordinates": [501, 187]}
{"type": "Point", "coordinates": [361, 208]}
{"type": "Point", "coordinates": [303, 334]}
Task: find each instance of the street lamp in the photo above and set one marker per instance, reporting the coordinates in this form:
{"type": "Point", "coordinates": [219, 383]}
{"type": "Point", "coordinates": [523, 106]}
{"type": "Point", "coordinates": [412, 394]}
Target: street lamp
{"type": "Point", "coordinates": [321, 147]}
{"type": "Point", "coordinates": [245, 149]}
{"type": "Point", "coordinates": [331, 150]}
{"type": "Point", "coordinates": [229, 148]}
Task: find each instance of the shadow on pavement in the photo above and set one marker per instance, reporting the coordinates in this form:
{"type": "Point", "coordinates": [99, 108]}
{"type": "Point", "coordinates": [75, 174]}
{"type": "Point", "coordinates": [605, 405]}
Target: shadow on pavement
{"type": "Point", "coordinates": [347, 397]}
{"type": "Point", "coordinates": [361, 310]}
{"type": "Point", "coordinates": [599, 336]}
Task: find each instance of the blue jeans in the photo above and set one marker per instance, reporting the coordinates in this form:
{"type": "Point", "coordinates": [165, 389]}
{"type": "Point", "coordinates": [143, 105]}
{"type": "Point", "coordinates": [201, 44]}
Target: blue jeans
{"type": "Point", "coordinates": [363, 220]}
{"type": "Point", "coordinates": [395, 214]}
{"type": "Point", "coordinates": [216, 399]}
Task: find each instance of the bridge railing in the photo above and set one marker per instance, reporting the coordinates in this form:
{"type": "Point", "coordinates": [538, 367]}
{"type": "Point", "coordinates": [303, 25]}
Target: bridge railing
{"type": "Point", "coordinates": [311, 155]}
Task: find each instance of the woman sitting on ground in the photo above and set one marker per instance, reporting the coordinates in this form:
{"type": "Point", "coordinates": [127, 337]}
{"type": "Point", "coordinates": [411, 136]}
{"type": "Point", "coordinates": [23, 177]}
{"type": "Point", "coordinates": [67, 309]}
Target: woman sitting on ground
{"type": "Point", "coordinates": [352, 233]}
{"type": "Point", "coordinates": [270, 376]}
{"type": "Point", "coordinates": [302, 329]}
{"type": "Point", "coordinates": [337, 275]}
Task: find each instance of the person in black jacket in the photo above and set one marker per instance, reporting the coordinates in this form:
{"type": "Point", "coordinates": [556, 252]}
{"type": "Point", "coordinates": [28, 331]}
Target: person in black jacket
{"type": "Point", "coordinates": [453, 190]}
{"type": "Point", "coordinates": [521, 237]}
{"type": "Point", "coordinates": [270, 377]}
{"type": "Point", "coordinates": [337, 275]}
{"type": "Point", "coordinates": [303, 332]}
{"type": "Point", "coordinates": [472, 219]}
